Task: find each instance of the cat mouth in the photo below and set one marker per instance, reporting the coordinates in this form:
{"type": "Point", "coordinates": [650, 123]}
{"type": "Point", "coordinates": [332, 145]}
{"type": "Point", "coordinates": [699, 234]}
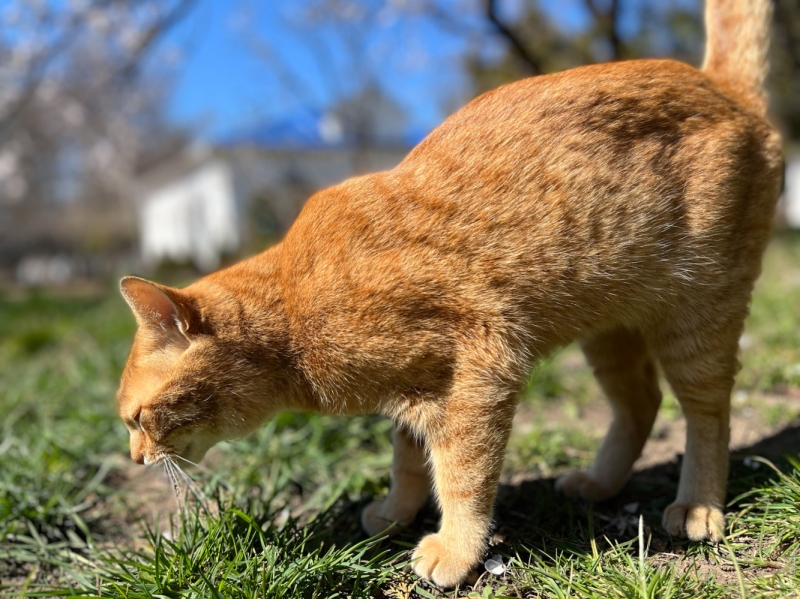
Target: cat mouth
{"type": "Point", "coordinates": [149, 462]}
{"type": "Point", "coordinates": [160, 456]}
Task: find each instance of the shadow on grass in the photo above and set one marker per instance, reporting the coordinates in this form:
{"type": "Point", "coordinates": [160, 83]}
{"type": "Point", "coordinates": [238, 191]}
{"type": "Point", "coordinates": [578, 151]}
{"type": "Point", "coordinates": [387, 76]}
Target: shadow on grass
{"type": "Point", "coordinates": [533, 516]}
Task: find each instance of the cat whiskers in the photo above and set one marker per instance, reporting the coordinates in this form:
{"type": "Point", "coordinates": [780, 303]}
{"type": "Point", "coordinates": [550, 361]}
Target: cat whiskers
{"type": "Point", "coordinates": [173, 480]}
{"type": "Point", "coordinates": [205, 470]}
{"type": "Point", "coordinates": [180, 480]}
{"type": "Point", "coordinates": [190, 462]}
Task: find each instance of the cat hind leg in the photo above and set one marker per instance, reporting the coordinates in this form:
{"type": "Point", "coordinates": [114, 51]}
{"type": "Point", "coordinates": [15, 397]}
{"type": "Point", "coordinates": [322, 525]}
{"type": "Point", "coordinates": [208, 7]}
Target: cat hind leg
{"type": "Point", "coordinates": [625, 371]}
{"type": "Point", "coordinates": [700, 368]}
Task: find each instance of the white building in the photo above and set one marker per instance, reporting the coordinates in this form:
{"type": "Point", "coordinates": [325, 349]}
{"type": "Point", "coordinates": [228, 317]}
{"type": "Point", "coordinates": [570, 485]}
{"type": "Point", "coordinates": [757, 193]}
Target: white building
{"type": "Point", "coordinates": [791, 193]}
{"type": "Point", "coordinates": [195, 208]}
{"type": "Point", "coordinates": [192, 217]}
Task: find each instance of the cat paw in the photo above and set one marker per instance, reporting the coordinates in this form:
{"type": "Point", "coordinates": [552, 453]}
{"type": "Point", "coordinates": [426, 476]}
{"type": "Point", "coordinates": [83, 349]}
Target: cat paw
{"type": "Point", "coordinates": [375, 520]}
{"type": "Point", "coordinates": [446, 565]}
{"type": "Point", "coordinates": [580, 484]}
{"type": "Point", "coordinates": [695, 521]}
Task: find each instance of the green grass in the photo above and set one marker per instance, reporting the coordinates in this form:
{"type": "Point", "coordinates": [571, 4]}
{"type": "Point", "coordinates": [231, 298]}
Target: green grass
{"type": "Point", "coordinates": [276, 515]}
{"type": "Point", "coordinates": [240, 552]}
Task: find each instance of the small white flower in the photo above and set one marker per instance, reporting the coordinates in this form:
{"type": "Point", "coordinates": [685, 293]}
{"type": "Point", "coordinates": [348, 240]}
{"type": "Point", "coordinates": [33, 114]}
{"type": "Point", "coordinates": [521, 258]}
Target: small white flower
{"type": "Point", "coordinates": [495, 565]}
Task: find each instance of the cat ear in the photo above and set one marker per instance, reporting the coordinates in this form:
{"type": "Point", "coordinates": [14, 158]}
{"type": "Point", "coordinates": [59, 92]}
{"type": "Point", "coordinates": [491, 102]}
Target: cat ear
{"type": "Point", "coordinates": [157, 305]}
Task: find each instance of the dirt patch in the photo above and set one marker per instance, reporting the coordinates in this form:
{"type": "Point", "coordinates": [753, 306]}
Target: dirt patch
{"type": "Point", "coordinates": [753, 418]}
{"type": "Point", "coordinates": [143, 496]}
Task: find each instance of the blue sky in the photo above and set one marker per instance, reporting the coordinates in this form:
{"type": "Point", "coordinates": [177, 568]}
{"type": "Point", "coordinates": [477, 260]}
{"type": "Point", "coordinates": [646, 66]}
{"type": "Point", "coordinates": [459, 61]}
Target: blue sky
{"type": "Point", "coordinates": [224, 84]}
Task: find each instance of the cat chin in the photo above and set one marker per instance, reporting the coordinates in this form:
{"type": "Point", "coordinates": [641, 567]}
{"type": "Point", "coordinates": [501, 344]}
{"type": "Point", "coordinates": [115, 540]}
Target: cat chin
{"type": "Point", "coordinates": [192, 453]}
{"type": "Point", "coordinates": [196, 450]}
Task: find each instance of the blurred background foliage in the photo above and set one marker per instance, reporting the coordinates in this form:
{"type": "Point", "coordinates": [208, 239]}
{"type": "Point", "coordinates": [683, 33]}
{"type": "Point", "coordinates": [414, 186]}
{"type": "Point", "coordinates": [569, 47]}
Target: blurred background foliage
{"type": "Point", "coordinates": [108, 106]}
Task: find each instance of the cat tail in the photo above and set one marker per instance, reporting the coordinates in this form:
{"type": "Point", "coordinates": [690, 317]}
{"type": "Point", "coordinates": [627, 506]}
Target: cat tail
{"type": "Point", "coordinates": [737, 43]}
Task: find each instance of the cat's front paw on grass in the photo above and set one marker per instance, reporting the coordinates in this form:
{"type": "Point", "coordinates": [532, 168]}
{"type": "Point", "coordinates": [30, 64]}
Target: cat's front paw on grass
{"type": "Point", "coordinates": [581, 484]}
{"type": "Point", "coordinates": [445, 564]}
{"type": "Point", "coordinates": [694, 521]}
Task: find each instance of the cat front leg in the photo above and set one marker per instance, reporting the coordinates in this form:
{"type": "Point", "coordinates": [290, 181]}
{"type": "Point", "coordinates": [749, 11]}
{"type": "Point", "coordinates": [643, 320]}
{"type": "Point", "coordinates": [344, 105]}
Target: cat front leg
{"type": "Point", "coordinates": [466, 453]}
{"type": "Point", "coordinates": [408, 492]}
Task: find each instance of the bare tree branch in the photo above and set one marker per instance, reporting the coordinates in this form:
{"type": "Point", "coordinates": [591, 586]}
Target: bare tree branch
{"type": "Point", "coordinates": [613, 30]}
{"type": "Point", "coordinates": [154, 33]}
{"type": "Point", "coordinates": [79, 111]}
{"type": "Point", "coordinates": [789, 25]}
{"type": "Point", "coordinates": [522, 52]}
{"type": "Point", "coordinates": [70, 33]}
{"type": "Point", "coordinates": [607, 20]}
{"type": "Point", "coordinates": [289, 80]}
{"type": "Point", "coordinates": [32, 81]}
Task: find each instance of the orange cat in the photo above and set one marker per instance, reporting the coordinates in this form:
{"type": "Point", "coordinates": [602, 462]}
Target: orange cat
{"type": "Point", "coordinates": [626, 205]}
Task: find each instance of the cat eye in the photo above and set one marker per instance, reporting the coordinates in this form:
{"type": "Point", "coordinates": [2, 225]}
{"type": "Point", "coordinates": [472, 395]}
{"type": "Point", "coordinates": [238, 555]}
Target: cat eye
{"type": "Point", "coordinates": [134, 422]}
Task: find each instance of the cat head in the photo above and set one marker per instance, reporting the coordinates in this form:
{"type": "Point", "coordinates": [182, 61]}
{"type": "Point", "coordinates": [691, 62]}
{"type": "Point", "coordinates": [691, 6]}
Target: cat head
{"type": "Point", "coordinates": [190, 380]}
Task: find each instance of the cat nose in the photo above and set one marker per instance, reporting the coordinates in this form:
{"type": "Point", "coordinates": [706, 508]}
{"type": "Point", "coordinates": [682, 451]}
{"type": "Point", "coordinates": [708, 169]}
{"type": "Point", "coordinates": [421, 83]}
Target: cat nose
{"type": "Point", "coordinates": [138, 457]}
